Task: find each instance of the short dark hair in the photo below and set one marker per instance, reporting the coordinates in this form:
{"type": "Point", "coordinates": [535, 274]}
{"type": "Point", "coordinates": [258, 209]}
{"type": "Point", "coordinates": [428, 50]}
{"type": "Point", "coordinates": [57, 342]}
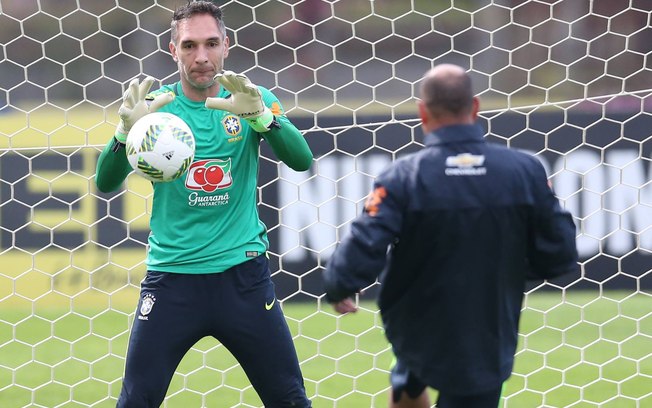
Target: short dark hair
{"type": "Point", "coordinates": [448, 93]}
{"type": "Point", "coordinates": [194, 8]}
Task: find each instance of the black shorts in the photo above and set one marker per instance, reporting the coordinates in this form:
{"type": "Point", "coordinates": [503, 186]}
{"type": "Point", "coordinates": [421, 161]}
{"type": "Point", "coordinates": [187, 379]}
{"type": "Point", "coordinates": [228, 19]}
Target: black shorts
{"type": "Point", "coordinates": [238, 307]}
{"type": "Point", "coordinates": [403, 380]}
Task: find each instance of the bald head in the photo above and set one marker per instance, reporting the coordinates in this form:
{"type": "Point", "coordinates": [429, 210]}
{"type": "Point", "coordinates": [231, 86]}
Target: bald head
{"type": "Point", "coordinates": [446, 93]}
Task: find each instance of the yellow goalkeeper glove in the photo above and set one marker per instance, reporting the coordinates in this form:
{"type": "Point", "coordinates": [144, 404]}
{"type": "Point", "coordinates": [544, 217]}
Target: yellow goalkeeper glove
{"type": "Point", "coordinates": [134, 106]}
{"type": "Point", "coordinates": [246, 101]}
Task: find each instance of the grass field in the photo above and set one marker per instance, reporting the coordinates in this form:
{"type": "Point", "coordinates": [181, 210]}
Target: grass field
{"type": "Point", "coordinates": [579, 350]}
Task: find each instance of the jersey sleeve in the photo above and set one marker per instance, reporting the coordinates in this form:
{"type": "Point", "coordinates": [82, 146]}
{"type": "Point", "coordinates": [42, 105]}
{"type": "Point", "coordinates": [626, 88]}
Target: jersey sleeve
{"type": "Point", "coordinates": [286, 141]}
{"type": "Point", "coordinates": [112, 167]}
{"type": "Point", "coordinates": [361, 256]}
{"type": "Point", "coordinates": [552, 246]}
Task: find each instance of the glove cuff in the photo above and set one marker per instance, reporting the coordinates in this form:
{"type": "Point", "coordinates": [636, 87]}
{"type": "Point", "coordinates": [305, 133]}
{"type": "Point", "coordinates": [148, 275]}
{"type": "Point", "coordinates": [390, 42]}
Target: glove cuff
{"type": "Point", "coordinates": [121, 132]}
{"type": "Point", "coordinates": [263, 122]}
{"type": "Point", "coordinates": [120, 137]}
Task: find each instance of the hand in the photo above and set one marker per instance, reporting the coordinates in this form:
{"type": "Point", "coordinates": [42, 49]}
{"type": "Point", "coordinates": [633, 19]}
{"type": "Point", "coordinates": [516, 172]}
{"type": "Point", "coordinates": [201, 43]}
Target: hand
{"type": "Point", "coordinates": [246, 101]}
{"type": "Point", "coordinates": [345, 306]}
{"type": "Point", "coordinates": [134, 106]}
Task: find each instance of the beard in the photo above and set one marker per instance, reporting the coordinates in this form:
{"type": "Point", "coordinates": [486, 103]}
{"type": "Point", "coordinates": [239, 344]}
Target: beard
{"type": "Point", "coordinates": [198, 84]}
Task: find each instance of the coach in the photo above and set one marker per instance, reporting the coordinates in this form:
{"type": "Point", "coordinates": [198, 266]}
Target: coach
{"type": "Point", "coordinates": [453, 232]}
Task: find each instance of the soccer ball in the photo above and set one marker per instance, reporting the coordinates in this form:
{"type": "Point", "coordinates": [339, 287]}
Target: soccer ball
{"type": "Point", "coordinates": [160, 147]}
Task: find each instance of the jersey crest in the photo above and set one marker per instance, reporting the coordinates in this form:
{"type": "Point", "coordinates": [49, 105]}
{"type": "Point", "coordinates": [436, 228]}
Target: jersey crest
{"type": "Point", "coordinates": [231, 125]}
{"type": "Point", "coordinates": [146, 306]}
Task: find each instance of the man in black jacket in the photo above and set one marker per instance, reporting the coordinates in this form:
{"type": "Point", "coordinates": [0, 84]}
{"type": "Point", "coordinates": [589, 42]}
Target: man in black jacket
{"type": "Point", "coordinates": [453, 231]}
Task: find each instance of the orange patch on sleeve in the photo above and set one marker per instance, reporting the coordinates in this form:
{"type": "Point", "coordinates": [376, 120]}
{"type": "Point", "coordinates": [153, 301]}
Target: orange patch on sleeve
{"type": "Point", "coordinates": [374, 199]}
{"type": "Point", "coordinates": [276, 109]}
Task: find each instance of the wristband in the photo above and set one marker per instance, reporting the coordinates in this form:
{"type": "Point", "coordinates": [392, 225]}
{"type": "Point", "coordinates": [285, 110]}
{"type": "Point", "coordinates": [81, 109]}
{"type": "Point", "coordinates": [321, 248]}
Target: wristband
{"type": "Point", "coordinates": [264, 122]}
{"type": "Point", "coordinates": [121, 135]}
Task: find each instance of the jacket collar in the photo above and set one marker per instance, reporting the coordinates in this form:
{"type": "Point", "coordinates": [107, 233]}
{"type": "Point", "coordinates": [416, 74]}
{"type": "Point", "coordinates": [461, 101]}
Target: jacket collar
{"type": "Point", "coordinates": [455, 134]}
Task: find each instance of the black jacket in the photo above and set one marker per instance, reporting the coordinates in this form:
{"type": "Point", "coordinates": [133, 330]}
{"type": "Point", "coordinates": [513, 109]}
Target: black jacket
{"type": "Point", "coordinates": [454, 231]}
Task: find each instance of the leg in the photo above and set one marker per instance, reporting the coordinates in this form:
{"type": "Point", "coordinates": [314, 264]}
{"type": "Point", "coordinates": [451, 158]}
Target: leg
{"type": "Point", "coordinates": [161, 334]}
{"type": "Point", "coordinates": [405, 401]}
{"type": "Point", "coordinates": [256, 333]}
{"type": "Point", "coordinates": [489, 399]}
{"type": "Point", "coordinates": [407, 390]}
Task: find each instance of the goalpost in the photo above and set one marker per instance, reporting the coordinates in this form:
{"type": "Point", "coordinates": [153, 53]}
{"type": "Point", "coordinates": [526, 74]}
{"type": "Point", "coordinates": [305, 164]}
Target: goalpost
{"type": "Point", "coordinates": [567, 80]}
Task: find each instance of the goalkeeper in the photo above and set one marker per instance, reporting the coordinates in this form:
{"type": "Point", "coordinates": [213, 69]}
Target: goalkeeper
{"type": "Point", "coordinates": [466, 223]}
{"type": "Point", "coordinates": [207, 269]}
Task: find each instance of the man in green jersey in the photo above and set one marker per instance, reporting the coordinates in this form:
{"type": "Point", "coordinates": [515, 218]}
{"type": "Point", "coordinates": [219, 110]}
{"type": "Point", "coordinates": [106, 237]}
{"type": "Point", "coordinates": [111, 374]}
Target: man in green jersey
{"type": "Point", "coordinates": [208, 274]}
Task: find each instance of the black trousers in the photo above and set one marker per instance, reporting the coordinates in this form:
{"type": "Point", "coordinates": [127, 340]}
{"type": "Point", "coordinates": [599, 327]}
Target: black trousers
{"type": "Point", "coordinates": [403, 380]}
{"type": "Point", "coordinates": [237, 307]}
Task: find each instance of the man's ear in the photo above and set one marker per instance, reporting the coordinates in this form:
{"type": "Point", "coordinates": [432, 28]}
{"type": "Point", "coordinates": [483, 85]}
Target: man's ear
{"type": "Point", "coordinates": [476, 108]}
{"type": "Point", "coordinates": [423, 112]}
{"type": "Point", "coordinates": [173, 51]}
{"type": "Point", "coordinates": [227, 43]}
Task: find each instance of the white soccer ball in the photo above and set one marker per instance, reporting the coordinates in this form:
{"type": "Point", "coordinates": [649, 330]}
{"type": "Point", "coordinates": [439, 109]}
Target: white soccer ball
{"type": "Point", "coordinates": [160, 147]}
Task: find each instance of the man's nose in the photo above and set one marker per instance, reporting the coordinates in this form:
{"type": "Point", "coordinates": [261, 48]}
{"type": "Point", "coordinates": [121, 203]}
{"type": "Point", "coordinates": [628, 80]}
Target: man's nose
{"type": "Point", "coordinates": [202, 54]}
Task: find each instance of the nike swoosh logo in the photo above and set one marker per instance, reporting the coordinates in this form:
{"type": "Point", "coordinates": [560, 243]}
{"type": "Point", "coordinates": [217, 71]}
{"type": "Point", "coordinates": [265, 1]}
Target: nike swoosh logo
{"type": "Point", "coordinates": [269, 306]}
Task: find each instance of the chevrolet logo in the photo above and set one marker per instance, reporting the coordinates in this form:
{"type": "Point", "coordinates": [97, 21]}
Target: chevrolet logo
{"type": "Point", "coordinates": [465, 160]}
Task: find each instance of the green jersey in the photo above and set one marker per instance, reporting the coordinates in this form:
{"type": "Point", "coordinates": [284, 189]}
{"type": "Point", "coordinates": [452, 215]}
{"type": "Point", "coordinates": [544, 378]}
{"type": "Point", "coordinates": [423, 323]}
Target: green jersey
{"type": "Point", "coordinates": [207, 220]}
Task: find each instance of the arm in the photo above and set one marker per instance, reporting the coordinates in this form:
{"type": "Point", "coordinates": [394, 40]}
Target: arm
{"type": "Point", "coordinates": [552, 247]}
{"type": "Point", "coordinates": [361, 256]}
{"type": "Point", "coordinates": [112, 167]}
{"type": "Point", "coordinates": [289, 145]}
{"type": "Point", "coordinates": [358, 260]}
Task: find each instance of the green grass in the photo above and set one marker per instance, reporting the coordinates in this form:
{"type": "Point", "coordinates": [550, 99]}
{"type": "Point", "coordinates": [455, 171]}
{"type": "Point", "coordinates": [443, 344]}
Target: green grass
{"type": "Point", "coordinates": [578, 350]}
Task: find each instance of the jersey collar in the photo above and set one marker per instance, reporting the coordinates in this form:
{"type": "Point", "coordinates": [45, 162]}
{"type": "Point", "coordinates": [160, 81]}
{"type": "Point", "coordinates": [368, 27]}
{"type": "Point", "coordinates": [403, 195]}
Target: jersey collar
{"type": "Point", "coordinates": [455, 134]}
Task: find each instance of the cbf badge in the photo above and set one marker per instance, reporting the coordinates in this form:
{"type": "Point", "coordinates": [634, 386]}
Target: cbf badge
{"type": "Point", "coordinates": [146, 306]}
{"type": "Point", "coordinates": [231, 125]}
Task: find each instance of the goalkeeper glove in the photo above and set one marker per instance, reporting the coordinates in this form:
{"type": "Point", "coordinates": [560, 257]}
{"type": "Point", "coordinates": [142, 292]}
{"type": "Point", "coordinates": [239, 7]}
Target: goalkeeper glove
{"type": "Point", "coordinates": [246, 101]}
{"type": "Point", "coordinates": [134, 106]}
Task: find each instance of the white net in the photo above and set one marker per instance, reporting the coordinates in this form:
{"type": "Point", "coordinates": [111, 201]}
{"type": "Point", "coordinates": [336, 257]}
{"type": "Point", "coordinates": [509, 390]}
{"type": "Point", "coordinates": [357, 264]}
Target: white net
{"type": "Point", "coordinates": [568, 80]}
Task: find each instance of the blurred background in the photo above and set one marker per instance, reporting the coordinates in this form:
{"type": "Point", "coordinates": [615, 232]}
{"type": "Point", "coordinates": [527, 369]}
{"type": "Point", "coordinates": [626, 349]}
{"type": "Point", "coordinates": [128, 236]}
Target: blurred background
{"type": "Point", "coordinates": [359, 54]}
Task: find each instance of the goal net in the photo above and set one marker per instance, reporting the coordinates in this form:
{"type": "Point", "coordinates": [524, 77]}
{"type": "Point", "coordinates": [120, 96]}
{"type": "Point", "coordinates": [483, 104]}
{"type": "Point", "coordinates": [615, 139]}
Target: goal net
{"type": "Point", "coordinates": [567, 80]}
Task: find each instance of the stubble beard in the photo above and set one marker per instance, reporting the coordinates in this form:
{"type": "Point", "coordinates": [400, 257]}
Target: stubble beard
{"type": "Point", "coordinates": [194, 84]}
